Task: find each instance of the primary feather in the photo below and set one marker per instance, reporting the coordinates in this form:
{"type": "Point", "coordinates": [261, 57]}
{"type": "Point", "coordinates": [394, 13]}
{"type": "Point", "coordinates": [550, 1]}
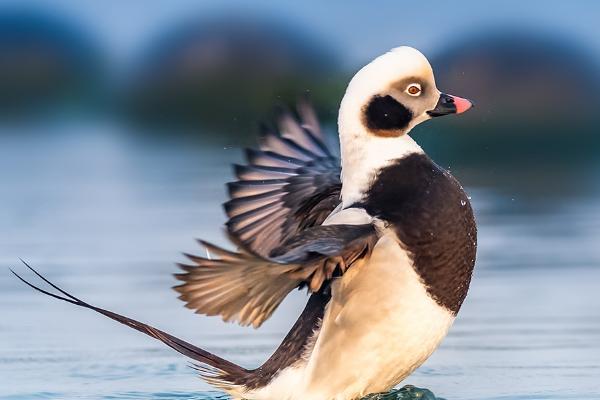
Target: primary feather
{"type": "Point", "coordinates": [290, 183]}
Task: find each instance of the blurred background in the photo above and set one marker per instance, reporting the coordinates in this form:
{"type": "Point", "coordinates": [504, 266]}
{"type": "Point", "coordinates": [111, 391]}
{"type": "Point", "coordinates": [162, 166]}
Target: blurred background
{"type": "Point", "coordinates": [118, 122]}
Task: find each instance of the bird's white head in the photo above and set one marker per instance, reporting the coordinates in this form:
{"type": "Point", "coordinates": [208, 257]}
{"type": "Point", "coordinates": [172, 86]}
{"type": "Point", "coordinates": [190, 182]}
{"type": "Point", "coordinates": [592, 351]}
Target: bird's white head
{"type": "Point", "coordinates": [383, 102]}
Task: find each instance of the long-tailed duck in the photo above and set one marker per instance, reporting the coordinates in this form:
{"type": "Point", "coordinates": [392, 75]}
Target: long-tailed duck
{"type": "Point", "coordinates": [385, 243]}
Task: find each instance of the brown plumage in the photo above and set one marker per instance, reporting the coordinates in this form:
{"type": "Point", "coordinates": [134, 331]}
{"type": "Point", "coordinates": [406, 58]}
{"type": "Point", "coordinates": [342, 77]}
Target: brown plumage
{"type": "Point", "coordinates": [245, 287]}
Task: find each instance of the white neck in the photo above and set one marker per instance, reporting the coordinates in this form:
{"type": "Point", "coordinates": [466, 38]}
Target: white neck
{"type": "Point", "coordinates": [364, 154]}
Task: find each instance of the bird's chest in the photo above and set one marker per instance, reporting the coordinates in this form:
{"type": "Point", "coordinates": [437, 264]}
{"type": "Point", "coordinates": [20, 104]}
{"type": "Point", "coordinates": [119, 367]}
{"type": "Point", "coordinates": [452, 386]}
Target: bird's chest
{"type": "Point", "coordinates": [432, 217]}
{"type": "Point", "coordinates": [379, 326]}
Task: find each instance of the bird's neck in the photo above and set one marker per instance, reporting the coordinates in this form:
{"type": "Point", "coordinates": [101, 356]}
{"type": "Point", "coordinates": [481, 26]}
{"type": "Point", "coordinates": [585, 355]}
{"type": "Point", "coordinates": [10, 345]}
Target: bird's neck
{"type": "Point", "coordinates": [364, 154]}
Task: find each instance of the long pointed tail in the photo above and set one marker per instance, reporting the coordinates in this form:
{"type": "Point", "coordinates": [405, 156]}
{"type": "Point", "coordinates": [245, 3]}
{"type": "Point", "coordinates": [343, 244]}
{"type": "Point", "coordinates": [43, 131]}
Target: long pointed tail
{"type": "Point", "coordinates": [214, 369]}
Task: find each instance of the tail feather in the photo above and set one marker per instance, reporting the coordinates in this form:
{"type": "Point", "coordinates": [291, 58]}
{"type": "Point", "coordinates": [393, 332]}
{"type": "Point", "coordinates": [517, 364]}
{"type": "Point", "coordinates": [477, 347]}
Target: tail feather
{"type": "Point", "coordinates": [214, 369]}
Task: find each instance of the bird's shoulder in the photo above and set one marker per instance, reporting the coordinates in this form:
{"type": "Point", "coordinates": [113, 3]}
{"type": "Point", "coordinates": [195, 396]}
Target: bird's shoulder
{"type": "Point", "coordinates": [432, 217]}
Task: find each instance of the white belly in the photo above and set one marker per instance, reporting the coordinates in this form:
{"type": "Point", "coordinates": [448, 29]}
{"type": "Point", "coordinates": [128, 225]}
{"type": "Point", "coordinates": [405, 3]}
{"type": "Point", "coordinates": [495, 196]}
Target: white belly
{"type": "Point", "coordinates": [378, 328]}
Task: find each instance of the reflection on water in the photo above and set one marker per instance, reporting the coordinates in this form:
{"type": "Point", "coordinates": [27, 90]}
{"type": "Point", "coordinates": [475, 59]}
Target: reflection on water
{"type": "Point", "coordinates": [106, 217]}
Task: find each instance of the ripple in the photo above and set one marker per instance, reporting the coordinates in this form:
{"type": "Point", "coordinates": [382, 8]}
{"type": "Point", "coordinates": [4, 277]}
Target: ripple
{"type": "Point", "coordinates": [167, 396]}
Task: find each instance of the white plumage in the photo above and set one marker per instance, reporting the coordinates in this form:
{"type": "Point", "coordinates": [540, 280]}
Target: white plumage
{"type": "Point", "coordinates": [380, 325]}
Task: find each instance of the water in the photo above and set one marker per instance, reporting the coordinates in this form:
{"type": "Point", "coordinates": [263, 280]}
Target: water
{"type": "Point", "coordinates": [105, 215]}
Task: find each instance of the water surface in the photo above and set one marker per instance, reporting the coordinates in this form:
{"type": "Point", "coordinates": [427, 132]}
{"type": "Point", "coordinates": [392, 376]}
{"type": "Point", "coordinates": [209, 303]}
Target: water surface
{"type": "Point", "coordinates": [106, 215]}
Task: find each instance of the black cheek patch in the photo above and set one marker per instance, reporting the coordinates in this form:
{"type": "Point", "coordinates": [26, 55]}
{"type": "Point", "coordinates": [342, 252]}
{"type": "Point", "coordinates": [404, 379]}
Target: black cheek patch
{"type": "Point", "coordinates": [385, 113]}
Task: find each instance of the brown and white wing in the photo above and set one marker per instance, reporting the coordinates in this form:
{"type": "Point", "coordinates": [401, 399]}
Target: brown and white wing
{"type": "Point", "coordinates": [245, 287]}
{"type": "Point", "coordinates": [290, 183]}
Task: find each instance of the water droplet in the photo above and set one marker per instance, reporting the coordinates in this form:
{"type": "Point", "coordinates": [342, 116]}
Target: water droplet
{"type": "Point", "coordinates": [463, 203]}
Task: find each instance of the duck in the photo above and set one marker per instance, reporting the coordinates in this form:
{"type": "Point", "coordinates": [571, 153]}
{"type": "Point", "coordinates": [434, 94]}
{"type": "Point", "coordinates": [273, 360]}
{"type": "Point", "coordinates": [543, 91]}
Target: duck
{"type": "Point", "coordinates": [382, 238]}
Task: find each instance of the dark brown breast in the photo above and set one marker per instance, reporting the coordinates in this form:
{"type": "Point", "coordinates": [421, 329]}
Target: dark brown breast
{"type": "Point", "coordinates": [432, 216]}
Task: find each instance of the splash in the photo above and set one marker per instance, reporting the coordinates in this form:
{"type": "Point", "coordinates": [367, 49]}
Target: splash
{"type": "Point", "coordinates": [407, 392]}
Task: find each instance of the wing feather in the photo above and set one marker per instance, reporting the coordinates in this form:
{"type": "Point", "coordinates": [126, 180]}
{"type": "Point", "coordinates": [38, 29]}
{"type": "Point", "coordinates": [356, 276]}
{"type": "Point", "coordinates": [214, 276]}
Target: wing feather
{"type": "Point", "coordinates": [246, 287]}
{"type": "Point", "coordinates": [290, 183]}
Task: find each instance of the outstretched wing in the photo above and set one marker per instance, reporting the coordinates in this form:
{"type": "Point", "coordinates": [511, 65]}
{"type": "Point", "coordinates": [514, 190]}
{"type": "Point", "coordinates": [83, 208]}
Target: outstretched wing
{"type": "Point", "coordinates": [290, 183]}
{"type": "Point", "coordinates": [246, 287]}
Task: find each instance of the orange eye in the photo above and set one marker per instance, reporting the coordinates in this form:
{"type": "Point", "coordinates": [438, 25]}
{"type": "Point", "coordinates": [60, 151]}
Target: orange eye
{"type": "Point", "coordinates": [413, 89]}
